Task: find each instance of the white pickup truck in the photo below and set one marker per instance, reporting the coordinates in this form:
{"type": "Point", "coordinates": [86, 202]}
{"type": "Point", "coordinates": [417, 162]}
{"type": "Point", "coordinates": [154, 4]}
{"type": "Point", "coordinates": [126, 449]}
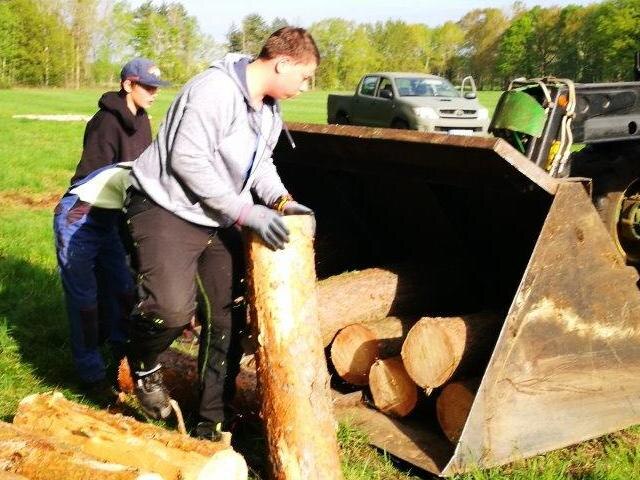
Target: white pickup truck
{"type": "Point", "coordinates": [414, 101]}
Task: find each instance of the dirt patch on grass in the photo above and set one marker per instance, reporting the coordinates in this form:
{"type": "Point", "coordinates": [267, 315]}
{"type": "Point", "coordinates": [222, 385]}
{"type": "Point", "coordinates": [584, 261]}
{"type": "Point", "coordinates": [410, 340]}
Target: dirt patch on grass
{"type": "Point", "coordinates": [35, 201]}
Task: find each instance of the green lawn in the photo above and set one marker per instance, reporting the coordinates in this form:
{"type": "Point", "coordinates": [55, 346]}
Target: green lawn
{"type": "Point", "coordinates": [38, 158]}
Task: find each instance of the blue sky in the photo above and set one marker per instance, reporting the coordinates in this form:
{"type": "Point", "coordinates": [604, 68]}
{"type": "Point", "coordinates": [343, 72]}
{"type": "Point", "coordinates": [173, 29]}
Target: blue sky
{"type": "Point", "coordinates": [215, 16]}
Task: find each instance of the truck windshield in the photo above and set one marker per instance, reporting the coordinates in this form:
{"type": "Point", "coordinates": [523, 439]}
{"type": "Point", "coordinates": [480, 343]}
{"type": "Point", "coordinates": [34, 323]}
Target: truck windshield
{"type": "Point", "coordinates": [425, 87]}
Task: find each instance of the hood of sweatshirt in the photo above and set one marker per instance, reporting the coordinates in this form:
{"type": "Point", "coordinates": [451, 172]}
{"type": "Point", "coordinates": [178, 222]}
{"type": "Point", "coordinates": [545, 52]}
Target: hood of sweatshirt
{"type": "Point", "coordinates": [116, 103]}
{"type": "Point", "coordinates": [235, 66]}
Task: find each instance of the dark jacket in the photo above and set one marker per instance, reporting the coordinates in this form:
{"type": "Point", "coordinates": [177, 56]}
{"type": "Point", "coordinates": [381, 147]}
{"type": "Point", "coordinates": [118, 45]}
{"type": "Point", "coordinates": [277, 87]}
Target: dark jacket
{"type": "Point", "coordinates": [114, 134]}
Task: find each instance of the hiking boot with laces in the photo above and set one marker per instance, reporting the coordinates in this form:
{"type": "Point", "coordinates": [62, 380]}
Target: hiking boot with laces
{"type": "Point", "coordinates": [152, 394]}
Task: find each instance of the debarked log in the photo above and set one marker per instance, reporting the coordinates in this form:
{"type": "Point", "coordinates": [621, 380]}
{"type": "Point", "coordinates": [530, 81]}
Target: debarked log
{"type": "Point", "coordinates": [368, 295]}
{"type": "Point", "coordinates": [356, 347]}
{"type": "Point", "coordinates": [291, 367]}
{"type": "Point", "coordinates": [437, 348]}
{"type": "Point", "coordinates": [29, 454]}
{"type": "Point", "coordinates": [121, 439]}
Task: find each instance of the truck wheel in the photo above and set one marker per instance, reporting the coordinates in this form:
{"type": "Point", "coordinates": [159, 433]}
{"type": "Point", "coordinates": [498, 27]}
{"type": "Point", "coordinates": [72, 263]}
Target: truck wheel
{"type": "Point", "coordinates": [400, 124]}
{"type": "Point", "coordinates": [342, 119]}
{"type": "Point", "coordinates": [615, 170]}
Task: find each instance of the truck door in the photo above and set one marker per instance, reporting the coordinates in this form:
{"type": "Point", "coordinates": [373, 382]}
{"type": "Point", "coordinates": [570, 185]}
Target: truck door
{"type": "Point", "coordinates": [361, 114]}
{"type": "Point", "coordinates": [382, 106]}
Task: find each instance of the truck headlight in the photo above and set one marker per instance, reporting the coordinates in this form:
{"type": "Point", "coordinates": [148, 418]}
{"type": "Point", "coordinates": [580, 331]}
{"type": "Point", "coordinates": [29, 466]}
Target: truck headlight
{"type": "Point", "coordinates": [427, 113]}
{"type": "Point", "coordinates": [483, 114]}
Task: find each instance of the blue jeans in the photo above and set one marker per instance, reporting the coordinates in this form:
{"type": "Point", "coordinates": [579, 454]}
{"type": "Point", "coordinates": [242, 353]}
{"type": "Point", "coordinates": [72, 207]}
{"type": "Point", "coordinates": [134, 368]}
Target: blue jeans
{"type": "Point", "coordinates": [97, 282]}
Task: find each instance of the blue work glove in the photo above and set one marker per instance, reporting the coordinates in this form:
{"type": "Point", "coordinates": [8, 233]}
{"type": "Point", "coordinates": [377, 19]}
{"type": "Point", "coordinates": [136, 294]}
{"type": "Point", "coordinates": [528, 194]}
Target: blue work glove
{"type": "Point", "coordinates": [267, 224]}
{"type": "Point", "coordinates": [294, 208]}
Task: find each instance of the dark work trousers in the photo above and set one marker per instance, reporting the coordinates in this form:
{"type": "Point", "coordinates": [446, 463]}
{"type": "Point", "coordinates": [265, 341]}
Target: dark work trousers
{"type": "Point", "coordinates": [176, 258]}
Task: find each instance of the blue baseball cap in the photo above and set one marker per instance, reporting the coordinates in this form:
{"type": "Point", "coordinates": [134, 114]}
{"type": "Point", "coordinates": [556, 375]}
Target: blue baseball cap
{"type": "Point", "coordinates": [144, 71]}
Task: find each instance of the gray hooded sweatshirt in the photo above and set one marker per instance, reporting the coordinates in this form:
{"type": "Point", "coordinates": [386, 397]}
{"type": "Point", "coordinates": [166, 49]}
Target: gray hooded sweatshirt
{"type": "Point", "coordinates": [213, 150]}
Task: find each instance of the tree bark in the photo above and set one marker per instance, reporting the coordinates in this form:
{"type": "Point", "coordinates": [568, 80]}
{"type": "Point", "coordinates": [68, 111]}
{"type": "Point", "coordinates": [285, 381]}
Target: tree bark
{"type": "Point", "coordinates": [291, 366]}
{"type": "Point", "coordinates": [356, 347]}
{"type": "Point", "coordinates": [30, 454]}
{"type": "Point", "coordinates": [120, 439]}
{"type": "Point", "coordinates": [366, 295]}
{"type": "Point", "coordinates": [393, 391]}
{"type": "Point", "coordinates": [438, 348]}
{"type": "Point", "coordinates": [453, 406]}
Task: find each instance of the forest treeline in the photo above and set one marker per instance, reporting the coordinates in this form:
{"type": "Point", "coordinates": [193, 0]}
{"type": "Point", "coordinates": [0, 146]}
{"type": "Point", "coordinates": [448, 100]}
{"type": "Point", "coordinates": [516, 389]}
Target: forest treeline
{"type": "Point", "coordinates": [74, 43]}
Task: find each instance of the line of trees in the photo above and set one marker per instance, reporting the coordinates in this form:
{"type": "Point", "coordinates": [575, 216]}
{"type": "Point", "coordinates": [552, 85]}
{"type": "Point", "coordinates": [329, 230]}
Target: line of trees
{"type": "Point", "coordinates": [81, 42]}
{"type": "Point", "coordinates": [593, 43]}
{"type": "Point", "coordinates": [73, 43]}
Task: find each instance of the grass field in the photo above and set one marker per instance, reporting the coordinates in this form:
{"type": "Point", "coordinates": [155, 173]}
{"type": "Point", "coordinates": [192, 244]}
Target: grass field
{"type": "Point", "coordinates": [38, 159]}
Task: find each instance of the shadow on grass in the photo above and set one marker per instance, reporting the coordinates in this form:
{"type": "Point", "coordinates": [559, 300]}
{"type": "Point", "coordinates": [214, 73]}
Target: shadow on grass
{"type": "Point", "coordinates": [38, 344]}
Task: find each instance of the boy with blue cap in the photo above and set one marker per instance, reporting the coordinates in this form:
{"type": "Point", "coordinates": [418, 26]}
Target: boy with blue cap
{"type": "Point", "coordinates": [91, 258]}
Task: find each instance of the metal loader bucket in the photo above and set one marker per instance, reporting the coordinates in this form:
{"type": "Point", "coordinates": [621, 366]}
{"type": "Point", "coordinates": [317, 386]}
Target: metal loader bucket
{"type": "Point", "coordinates": [490, 231]}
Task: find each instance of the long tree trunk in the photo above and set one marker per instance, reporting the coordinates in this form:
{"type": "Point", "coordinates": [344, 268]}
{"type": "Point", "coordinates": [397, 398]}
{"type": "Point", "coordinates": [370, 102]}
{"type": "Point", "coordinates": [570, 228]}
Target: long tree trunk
{"type": "Point", "coordinates": [292, 371]}
{"type": "Point", "coordinates": [393, 391]}
{"type": "Point", "coordinates": [36, 456]}
{"type": "Point", "coordinates": [438, 348]}
{"type": "Point", "coordinates": [120, 439]}
{"type": "Point", "coordinates": [453, 406]}
{"type": "Point", "coordinates": [366, 295]}
{"type": "Point", "coordinates": [356, 347]}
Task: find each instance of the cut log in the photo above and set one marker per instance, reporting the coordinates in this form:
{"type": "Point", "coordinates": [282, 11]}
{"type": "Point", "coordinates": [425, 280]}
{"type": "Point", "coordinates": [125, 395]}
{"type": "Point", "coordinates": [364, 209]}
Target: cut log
{"type": "Point", "coordinates": [291, 367]}
{"type": "Point", "coordinates": [179, 371]}
{"type": "Point", "coordinates": [392, 390]}
{"type": "Point", "coordinates": [356, 347]}
{"type": "Point", "coordinates": [29, 454]}
{"type": "Point", "coordinates": [246, 396]}
{"type": "Point", "coordinates": [438, 348]}
{"type": "Point", "coordinates": [120, 439]}
{"type": "Point", "coordinates": [367, 295]}
{"type": "Point", "coordinates": [453, 406]}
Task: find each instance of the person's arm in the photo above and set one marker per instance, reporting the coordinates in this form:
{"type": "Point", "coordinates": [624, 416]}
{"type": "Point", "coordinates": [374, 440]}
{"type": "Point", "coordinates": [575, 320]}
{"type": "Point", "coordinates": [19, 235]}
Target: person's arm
{"type": "Point", "coordinates": [267, 184]}
{"type": "Point", "coordinates": [207, 115]}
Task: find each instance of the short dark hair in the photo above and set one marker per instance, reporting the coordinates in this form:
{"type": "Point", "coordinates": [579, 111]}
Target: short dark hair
{"type": "Point", "coordinates": [293, 42]}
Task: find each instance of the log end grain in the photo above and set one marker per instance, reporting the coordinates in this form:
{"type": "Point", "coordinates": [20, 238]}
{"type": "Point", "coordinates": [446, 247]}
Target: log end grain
{"type": "Point", "coordinates": [226, 464]}
{"type": "Point", "coordinates": [393, 391]}
{"type": "Point", "coordinates": [453, 406]}
{"type": "Point", "coordinates": [353, 351]}
{"type": "Point", "coordinates": [433, 349]}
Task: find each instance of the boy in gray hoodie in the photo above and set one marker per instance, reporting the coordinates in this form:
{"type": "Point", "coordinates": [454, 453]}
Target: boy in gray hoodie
{"type": "Point", "coordinates": [193, 190]}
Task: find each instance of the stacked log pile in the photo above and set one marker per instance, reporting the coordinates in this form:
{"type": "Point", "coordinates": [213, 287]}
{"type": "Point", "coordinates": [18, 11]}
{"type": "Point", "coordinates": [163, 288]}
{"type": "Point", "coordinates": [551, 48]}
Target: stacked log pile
{"type": "Point", "coordinates": [52, 438]}
{"type": "Point", "coordinates": [387, 346]}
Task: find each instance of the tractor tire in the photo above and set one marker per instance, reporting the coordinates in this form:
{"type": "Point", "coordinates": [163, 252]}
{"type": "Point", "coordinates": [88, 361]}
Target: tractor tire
{"type": "Point", "coordinates": [342, 119]}
{"type": "Point", "coordinates": [615, 171]}
{"type": "Point", "coordinates": [400, 124]}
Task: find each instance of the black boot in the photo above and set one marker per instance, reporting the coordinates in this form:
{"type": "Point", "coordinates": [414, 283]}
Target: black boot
{"type": "Point", "coordinates": [208, 430]}
{"type": "Point", "coordinates": [152, 394]}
